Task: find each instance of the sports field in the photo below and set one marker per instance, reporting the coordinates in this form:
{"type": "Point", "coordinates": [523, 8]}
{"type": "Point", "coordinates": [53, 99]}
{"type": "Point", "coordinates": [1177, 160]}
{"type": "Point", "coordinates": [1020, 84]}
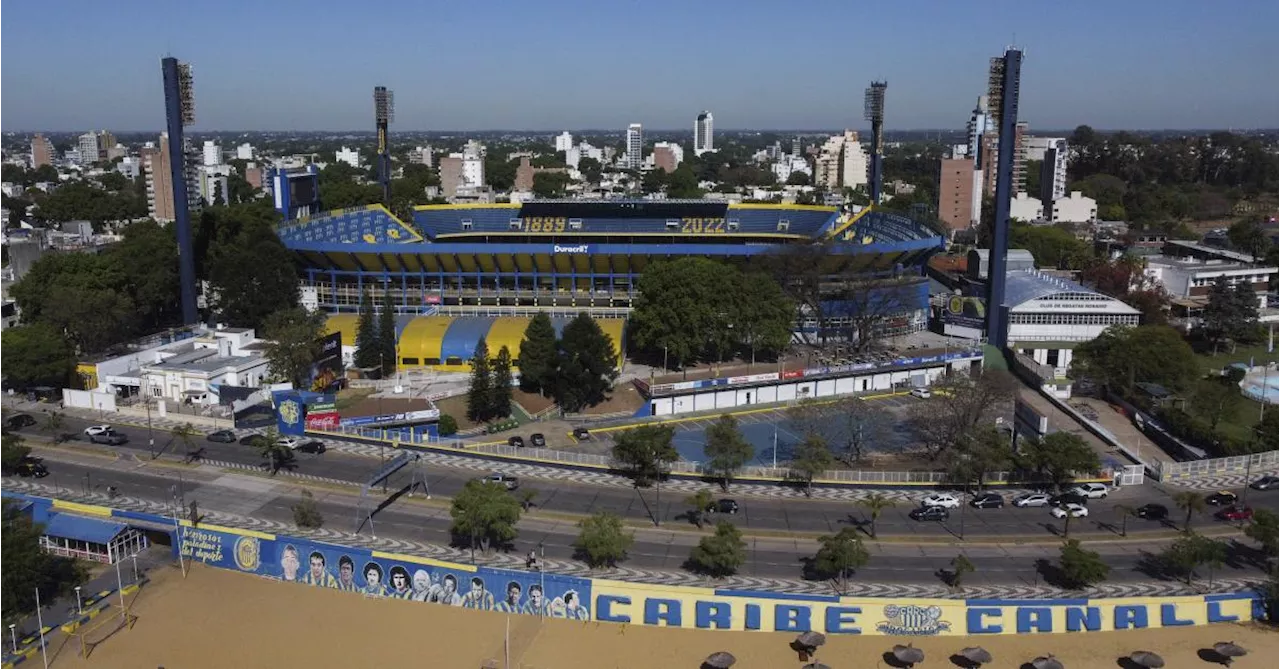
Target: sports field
{"type": "Point", "coordinates": [216, 618]}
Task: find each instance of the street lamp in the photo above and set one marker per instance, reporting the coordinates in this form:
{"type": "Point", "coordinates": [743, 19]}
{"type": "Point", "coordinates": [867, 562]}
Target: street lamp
{"type": "Point", "coordinates": [13, 637]}
{"type": "Point", "coordinates": [79, 609]}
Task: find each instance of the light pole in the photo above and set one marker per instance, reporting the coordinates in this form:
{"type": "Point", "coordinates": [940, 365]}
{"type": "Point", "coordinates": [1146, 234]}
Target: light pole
{"type": "Point", "coordinates": [151, 438]}
{"type": "Point", "coordinates": [79, 609]}
{"type": "Point", "coordinates": [13, 637]}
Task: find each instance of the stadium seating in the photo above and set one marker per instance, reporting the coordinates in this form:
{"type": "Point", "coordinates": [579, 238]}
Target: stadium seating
{"type": "Point", "coordinates": [740, 219]}
{"type": "Point", "coordinates": [361, 225]}
{"type": "Point", "coordinates": [886, 227]}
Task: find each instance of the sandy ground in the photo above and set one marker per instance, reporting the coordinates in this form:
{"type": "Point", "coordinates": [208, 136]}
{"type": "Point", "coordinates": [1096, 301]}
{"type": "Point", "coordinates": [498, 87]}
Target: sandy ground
{"type": "Point", "coordinates": [216, 618]}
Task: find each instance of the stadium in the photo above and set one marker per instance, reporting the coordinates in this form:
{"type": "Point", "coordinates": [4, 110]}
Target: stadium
{"type": "Point", "coordinates": [456, 273]}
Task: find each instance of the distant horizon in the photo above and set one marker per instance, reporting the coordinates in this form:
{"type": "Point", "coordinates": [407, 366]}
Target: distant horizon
{"type": "Point", "coordinates": [595, 131]}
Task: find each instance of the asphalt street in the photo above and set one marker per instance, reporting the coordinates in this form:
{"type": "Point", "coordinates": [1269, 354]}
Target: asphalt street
{"type": "Point", "coordinates": [757, 514]}
{"type": "Point", "coordinates": [271, 499]}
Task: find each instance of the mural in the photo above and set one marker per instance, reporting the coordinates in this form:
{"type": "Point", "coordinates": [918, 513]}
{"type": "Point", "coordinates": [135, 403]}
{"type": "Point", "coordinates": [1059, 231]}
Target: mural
{"type": "Point", "coordinates": [378, 574]}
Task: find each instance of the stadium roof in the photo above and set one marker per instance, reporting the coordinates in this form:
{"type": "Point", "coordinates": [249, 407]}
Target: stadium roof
{"type": "Point", "coordinates": [79, 528]}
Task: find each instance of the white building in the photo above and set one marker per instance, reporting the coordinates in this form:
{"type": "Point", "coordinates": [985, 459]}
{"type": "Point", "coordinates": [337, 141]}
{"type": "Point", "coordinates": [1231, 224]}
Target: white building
{"type": "Point", "coordinates": [791, 163]}
{"type": "Point", "coordinates": [348, 156]}
{"type": "Point", "coordinates": [841, 163]}
{"type": "Point", "coordinates": [676, 151]}
{"type": "Point", "coordinates": [564, 141]}
{"type": "Point", "coordinates": [1053, 173]}
{"type": "Point", "coordinates": [87, 148]}
{"type": "Point", "coordinates": [212, 153]}
{"type": "Point", "coordinates": [1188, 271]}
{"type": "Point", "coordinates": [130, 166]}
{"type": "Point", "coordinates": [704, 134]}
{"type": "Point", "coordinates": [1075, 208]}
{"type": "Point", "coordinates": [213, 185]}
{"type": "Point", "coordinates": [635, 146]}
{"type": "Point", "coordinates": [193, 372]}
{"type": "Point", "coordinates": [1025, 208]}
{"type": "Point", "coordinates": [980, 122]}
{"type": "Point", "coordinates": [1049, 316]}
{"type": "Point", "coordinates": [1034, 147]}
{"type": "Point", "coordinates": [472, 164]}
{"type": "Point", "coordinates": [424, 155]}
{"type": "Point", "coordinates": [244, 152]}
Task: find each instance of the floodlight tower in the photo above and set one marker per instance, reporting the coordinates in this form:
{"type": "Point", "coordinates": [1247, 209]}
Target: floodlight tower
{"type": "Point", "coordinates": [180, 111]}
{"type": "Point", "coordinates": [1003, 83]}
{"type": "Point", "coordinates": [873, 110]}
{"type": "Point", "coordinates": [384, 111]}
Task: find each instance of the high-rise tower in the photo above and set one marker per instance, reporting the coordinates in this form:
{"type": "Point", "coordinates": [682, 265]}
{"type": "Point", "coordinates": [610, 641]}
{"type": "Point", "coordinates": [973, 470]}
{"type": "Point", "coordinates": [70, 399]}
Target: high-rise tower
{"type": "Point", "coordinates": [703, 128]}
{"type": "Point", "coordinates": [180, 111]}
{"type": "Point", "coordinates": [1003, 84]}
{"type": "Point", "coordinates": [635, 146]}
{"type": "Point", "coordinates": [873, 110]}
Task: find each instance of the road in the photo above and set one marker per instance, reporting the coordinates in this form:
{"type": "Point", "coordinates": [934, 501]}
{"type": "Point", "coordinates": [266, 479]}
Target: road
{"type": "Point", "coordinates": [765, 515]}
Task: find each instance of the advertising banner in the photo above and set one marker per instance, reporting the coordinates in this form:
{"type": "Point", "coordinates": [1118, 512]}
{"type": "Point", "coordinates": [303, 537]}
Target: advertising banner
{"type": "Point", "coordinates": [965, 312]}
{"type": "Point", "coordinates": [326, 371]}
{"type": "Point", "coordinates": [289, 412]}
{"type": "Point", "coordinates": [325, 421]}
{"type": "Point", "coordinates": [379, 574]}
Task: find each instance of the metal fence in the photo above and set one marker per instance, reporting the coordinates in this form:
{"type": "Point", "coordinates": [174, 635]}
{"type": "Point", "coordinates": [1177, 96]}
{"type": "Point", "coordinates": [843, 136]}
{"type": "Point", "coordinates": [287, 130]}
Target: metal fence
{"type": "Point", "coordinates": [1239, 464]}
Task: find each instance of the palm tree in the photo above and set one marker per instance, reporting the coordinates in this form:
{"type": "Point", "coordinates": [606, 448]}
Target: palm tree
{"type": "Point", "coordinates": [184, 434]}
{"type": "Point", "coordinates": [275, 452]}
{"type": "Point", "coordinates": [1066, 524]}
{"type": "Point", "coordinates": [699, 501]}
{"type": "Point", "coordinates": [1125, 512]}
{"type": "Point", "coordinates": [53, 423]}
{"type": "Point", "coordinates": [874, 504]}
{"type": "Point", "coordinates": [1192, 503]}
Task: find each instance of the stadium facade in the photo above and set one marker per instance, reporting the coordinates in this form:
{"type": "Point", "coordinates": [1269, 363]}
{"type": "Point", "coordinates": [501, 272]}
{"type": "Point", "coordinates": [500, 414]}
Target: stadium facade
{"type": "Point", "coordinates": [459, 272]}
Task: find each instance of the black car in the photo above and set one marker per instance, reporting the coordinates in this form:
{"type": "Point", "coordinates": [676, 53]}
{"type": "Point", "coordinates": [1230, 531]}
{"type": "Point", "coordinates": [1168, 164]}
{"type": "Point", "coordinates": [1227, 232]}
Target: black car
{"type": "Point", "coordinates": [723, 506]}
{"type": "Point", "coordinates": [222, 436]}
{"type": "Point", "coordinates": [1068, 498]}
{"type": "Point", "coordinates": [516, 442]}
{"type": "Point", "coordinates": [538, 440]}
{"type": "Point", "coordinates": [937, 513]}
{"type": "Point", "coordinates": [313, 446]}
{"type": "Point", "coordinates": [1152, 512]}
{"type": "Point", "coordinates": [1266, 483]}
{"type": "Point", "coordinates": [1221, 498]}
{"type": "Point", "coordinates": [581, 433]}
{"type": "Point", "coordinates": [110, 438]}
{"type": "Point", "coordinates": [255, 440]}
{"type": "Point", "coordinates": [987, 500]}
{"type": "Point", "coordinates": [19, 421]}
{"type": "Point", "coordinates": [32, 468]}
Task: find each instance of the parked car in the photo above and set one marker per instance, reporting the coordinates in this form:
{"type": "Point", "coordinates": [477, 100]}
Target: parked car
{"type": "Point", "coordinates": [1090, 490]}
{"type": "Point", "coordinates": [581, 433]}
{"type": "Point", "coordinates": [987, 500]}
{"type": "Point", "coordinates": [1068, 498]}
{"type": "Point", "coordinates": [1031, 499]}
{"type": "Point", "coordinates": [109, 437]}
{"type": "Point", "coordinates": [19, 421]}
{"type": "Point", "coordinates": [1234, 512]}
{"type": "Point", "coordinates": [254, 440]}
{"type": "Point", "coordinates": [922, 393]}
{"type": "Point", "coordinates": [537, 440]}
{"type": "Point", "coordinates": [96, 429]}
{"type": "Point", "coordinates": [943, 499]}
{"type": "Point", "coordinates": [1073, 510]}
{"type": "Point", "coordinates": [506, 480]}
{"type": "Point", "coordinates": [1221, 498]}
{"type": "Point", "coordinates": [290, 443]}
{"type": "Point", "coordinates": [1268, 482]}
{"type": "Point", "coordinates": [32, 468]}
{"type": "Point", "coordinates": [222, 436]}
{"type": "Point", "coordinates": [314, 446]}
{"type": "Point", "coordinates": [936, 513]}
{"type": "Point", "coordinates": [516, 442]}
{"type": "Point", "coordinates": [1152, 512]}
{"type": "Point", "coordinates": [723, 506]}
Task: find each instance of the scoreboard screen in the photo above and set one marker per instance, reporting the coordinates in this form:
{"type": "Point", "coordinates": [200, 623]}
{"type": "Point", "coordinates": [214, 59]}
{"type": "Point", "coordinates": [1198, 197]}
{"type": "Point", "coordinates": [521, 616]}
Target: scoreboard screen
{"type": "Point", "coordinates": [302, 190]}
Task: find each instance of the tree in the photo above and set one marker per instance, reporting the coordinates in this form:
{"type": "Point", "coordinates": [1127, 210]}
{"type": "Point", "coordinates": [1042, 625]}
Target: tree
{"type": "Point", "coordinates": [278, 455]}
{"type": "Point", "coordinates": [27, 567]}
{"type": "Point", "coordinates": [252, 275]}
{"type": "Point", "coordinates": [683, 183]}
{"type": "Point", "coordinates": [653, 181]}
{"type": "Point", "coordinates": [52, 424]}
{"type": "Point", "coordinates": [1125, 512]}
{"type": "Point", "coordinates": [500, 387]}
{"type": "Point", "coordinates": [13, 452]}
{"type": "Point", "coordinates": [148, 260]}
{"type": "Point", "coordinates": [480, 392]}
{"type": "Point", "coordinates": [587, 365]}
{"type": "Point", "coordinates": [486, 514]}
{"type": "Point", "coordinates": [722, 553]}
{"type": "Point", "coordinates": [812, 457]}
{"type": "Point", "coordinates": [1190, 552]}
{"type": "Point", "coordinates": [1267, 431]}
{"type": "Point", "coordinates": [875, 504]}
{"type": "Point", "coordinates": [645, 451]}
{"type": "Point", "coordinates": [1215, 399]}
{"type": "Point", "coordinates": [1192, 503]}
{"type": "Point", "coordinates": [293, 343]}
{"type": "Point", "coordinates": [798, 179]}
{"type": "Point", "coordinates": [550, 184]}
{"type": "Point", "coordinates": [839, 556]}
{"type": "Point", "coordinates": [1250, 236]}
{"type": "Point", "coordinates": [1080, 567]}
{"type": "Point", "coordinates": [602, 541]}
{"type": "Point", "coordinates": [36, 355]}
{"type": "Point", "coordinates": [367, 344]}
{"type": "Point", "coordinates": [683, 309]}
{"type": "Point", "coordinates": [1059, 456]}
{"type": "Point", "coordinates": [698, 504]}
{"type": "Point", "coordinates": [527, 495]}
{"type": "Point", "coordinates": [306, 513]}
{"type": "Point", "coordinates": [960, 566]}
{"type": "Point", "coordinates": [726, 449]}
{"type": "Point", "coordinates": [448, 425]}
{"type": "Point", "coordinates": [538, 356]}
{"type": "Point", "coordinates": [1122, 356]}
{"type": "Point", "coordinates": [763, 316]}
{"type": "Point", "coordinates": [960, 406]}
{"type": "Point", "coordinates": [387, 335]}
{"type": "Point", "coordinates": [185, 434]}
{"type": "Point", "coordinates": [590, 168]}
{"type": "Point", "coordinates": [1263, 529]}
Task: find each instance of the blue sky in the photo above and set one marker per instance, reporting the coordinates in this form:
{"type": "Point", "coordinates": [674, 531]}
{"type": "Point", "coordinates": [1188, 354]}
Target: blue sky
{"type": "Point", "coordinates": [553, 64]}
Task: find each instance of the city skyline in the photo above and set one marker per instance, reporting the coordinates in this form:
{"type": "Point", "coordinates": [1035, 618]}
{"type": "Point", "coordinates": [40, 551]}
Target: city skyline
{"type": "Point", "coordinates": [1140, 65]}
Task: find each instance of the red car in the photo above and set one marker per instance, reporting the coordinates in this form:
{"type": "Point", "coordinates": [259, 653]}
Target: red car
{"type": "Point", "coordinates": [1235, 513]}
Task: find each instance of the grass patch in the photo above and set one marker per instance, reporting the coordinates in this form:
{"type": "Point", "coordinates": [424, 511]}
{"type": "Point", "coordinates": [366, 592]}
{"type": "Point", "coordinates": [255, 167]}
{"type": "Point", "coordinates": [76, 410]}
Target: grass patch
{"type": "Point", "coordinates": [349, 397]}
{"type": "Point", "coordinates": [1243, 354]}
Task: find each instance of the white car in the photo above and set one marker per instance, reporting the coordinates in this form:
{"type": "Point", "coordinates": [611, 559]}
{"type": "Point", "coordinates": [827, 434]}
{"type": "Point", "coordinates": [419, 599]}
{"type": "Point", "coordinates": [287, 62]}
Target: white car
{"type": "Point", "coordinates": [1091, 490]}
{"type": "Point", "coordinates": [1032, 499]}
{"type": "Point", "coordinates": [288, 442]}
{"type": "Point", "coordinates": [922, 393]}
{"type": "Point", "coordinates": [1074, 510]}
{"type": "Point", "coordinates": [942, 499]}
{"type": "Point", "coordinates": [94, 430]}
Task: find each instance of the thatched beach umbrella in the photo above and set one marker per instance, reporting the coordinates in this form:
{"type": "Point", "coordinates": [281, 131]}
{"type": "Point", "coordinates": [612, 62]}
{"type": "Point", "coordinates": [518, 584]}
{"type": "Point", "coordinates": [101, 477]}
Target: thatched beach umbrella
{"type": "Point", "coordinates": [1229, 650]}
{"type": "Point", "coordinates": [720, 660]}
{"type": "Point", "coordinates": [1147, 658]}
{"type": "Point", "coordinates": [908, 654]}
{"type": "Point", "coordinates": [811, 639]}
{"type": "Point", "coordinates": [1047, 662]}
{"type": "Point", "coordinates": [977, 655]}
